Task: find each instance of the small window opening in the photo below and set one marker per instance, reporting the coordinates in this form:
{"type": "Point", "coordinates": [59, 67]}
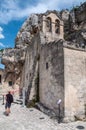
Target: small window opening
{"type": "Point", "coordinates": [47, 65]}
{"type": "Point", "coordinates": [10, 83]}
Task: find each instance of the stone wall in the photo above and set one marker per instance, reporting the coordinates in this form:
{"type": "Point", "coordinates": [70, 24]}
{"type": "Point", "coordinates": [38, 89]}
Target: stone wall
{"type": "Point", "coordinates": [2, 78]}
{"type": "Point", "coordinates": [75, 83]}
{"type": "Point", "coordinates": [51, 75]}
{"type": "Point", "coordinates": [30, 69]}
{"type": "Point", "coordinates": [6, 84]}
{"type": "Point", "coordinates": [44, 62]}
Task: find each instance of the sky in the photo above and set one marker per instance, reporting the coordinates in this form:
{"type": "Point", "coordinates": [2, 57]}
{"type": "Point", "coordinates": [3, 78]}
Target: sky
{"type": "Point", "coordinates": [14, 12]}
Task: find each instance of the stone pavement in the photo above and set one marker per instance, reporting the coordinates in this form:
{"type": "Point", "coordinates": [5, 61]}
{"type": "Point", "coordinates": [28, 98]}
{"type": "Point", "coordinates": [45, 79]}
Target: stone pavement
{"type": "Point", "coordinates": [22, 118]}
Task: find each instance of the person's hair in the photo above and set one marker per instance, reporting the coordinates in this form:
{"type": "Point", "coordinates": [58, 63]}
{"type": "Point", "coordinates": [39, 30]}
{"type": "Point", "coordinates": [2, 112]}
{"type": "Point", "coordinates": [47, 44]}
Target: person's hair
{"type": "Point", "coordinates": [9, 92]}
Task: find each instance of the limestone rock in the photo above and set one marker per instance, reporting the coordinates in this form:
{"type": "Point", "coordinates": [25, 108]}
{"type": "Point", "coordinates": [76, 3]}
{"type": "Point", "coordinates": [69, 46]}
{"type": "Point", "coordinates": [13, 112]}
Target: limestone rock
{"type": "Point", "coordinates": [65, 15]}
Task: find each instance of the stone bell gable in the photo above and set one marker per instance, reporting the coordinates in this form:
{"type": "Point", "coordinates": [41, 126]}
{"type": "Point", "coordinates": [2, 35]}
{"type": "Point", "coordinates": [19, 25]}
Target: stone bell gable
{"type": "Point", "coordinates": [52, 26]}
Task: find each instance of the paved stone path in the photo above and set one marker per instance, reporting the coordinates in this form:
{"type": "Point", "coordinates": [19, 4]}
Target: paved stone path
{"type": "Point", "coordinates": [22, 118]}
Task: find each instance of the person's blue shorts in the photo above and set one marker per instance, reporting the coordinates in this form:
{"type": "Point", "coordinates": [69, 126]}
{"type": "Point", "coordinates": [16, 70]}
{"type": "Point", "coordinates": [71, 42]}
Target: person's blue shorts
{"type": "Point", "coordinates": [8, 105]}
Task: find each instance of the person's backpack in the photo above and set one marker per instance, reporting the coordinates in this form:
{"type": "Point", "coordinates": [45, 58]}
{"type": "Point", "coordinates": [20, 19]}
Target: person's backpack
{"type": "Point", "coordinates": [11, 99]}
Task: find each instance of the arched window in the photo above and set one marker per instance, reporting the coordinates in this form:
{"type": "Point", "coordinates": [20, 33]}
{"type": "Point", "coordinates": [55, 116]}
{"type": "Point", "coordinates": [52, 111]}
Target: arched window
{"type": "Point", "coordinates": [57, 26]}
{"type": "Point", "coordinates": [48, 24]}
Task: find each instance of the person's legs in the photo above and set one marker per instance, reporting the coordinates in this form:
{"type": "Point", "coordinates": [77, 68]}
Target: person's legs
{"type": "Point", "coordinates": [7, 108]}
{"type": "Point", "coordinates": [9, 105]}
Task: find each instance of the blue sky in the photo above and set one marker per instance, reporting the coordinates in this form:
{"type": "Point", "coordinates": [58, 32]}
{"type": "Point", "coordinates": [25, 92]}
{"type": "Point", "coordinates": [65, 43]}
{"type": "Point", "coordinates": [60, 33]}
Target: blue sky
{"type": "Point", "coordinates": [14, 12]}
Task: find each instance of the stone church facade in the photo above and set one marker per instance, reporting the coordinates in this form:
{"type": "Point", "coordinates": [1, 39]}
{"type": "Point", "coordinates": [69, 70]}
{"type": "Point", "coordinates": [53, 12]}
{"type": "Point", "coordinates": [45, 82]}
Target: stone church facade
{"type": "Point", "coordinates": [48, 67]}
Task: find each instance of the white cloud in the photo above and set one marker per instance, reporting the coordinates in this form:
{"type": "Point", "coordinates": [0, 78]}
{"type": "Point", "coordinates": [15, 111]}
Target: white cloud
{"type": "Point", "coordinates": [13, 10]}
{"type": "Point", "coordinates": [2, 45]}
{"type": "Point", "coordinates": [1, 35]}
{"type": "Point", "coordinates": [1, 29]}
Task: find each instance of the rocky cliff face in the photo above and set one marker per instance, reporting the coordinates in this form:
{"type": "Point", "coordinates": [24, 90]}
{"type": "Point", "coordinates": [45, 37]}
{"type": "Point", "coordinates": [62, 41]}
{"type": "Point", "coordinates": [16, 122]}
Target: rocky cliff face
{"type": "Point", "coordinates": [75, 25]}
{"type": "Point", "coordinates": [13, 59]}
{"type": "Point", "coordinates": [27, 31]}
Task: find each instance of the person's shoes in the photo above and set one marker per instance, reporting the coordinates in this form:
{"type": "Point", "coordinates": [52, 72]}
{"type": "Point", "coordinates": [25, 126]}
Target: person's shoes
{"type": "Point", "coordinates": [7, 114]}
